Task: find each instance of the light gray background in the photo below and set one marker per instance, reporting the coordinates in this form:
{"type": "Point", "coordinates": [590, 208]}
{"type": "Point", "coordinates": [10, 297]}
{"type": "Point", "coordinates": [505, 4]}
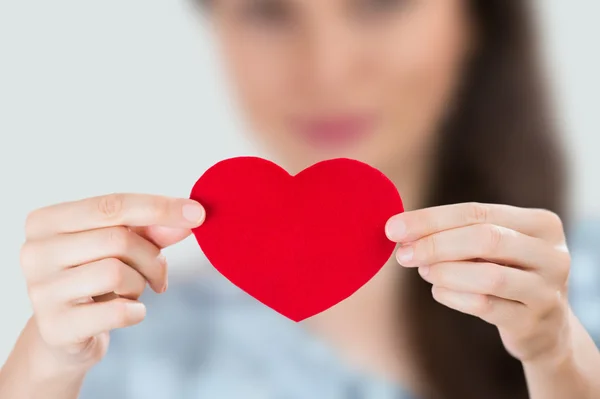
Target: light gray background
{"type": "Point", "coordinates": [99, 97]}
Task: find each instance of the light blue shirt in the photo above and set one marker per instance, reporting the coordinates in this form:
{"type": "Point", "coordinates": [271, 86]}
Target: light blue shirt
{"type": "Point", "coordinates": [207, 339]}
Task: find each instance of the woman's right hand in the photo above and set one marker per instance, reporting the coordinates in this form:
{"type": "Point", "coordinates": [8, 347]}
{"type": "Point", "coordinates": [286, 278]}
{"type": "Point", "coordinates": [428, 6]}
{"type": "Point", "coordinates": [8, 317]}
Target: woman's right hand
{"type": "Point", "coordinates": [87, 262]}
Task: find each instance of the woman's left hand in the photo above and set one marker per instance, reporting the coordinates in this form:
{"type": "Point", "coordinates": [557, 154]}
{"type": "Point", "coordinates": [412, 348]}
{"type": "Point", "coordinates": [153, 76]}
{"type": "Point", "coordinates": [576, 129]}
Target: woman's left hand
{"type": "Point", "coordinates": [508, 266]}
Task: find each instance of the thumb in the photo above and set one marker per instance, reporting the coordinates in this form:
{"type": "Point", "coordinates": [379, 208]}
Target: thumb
{"type": "Point", "coordinates": [162, 236]}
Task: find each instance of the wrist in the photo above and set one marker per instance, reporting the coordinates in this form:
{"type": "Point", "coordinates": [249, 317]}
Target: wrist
{"type": "Point", "coordinates": [552, 363]}
{"type": "Point", "coordinates": [47, 367]}
{"type": "Point", "coordinates": [554, 358]}
{"type": "Point", "coordinates": [32, 371]}
{"type": "Point", "coordinates": [568, 370]}
{"type": "Point", "coordinates": [556, 349]}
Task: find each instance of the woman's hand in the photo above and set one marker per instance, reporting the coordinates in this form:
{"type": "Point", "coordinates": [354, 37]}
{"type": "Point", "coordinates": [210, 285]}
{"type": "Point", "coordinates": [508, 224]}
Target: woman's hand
{"type": "Point", "coordinates": [87, 262]}
{"type": "Point", "coordinates": [507, 265]}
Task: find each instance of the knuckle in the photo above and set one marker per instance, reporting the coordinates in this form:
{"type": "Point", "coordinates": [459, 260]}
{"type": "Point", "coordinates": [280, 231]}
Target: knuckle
{"type": "Point", "coordinates": [162, 263]}
{"type": "Point", "coordinates": [550, 300]}
{"type": "Point", "coordinates": [439, 275]}
{"type": "Point", "coordinates": [49, 331]}
{"type": "Point", "coordinates": [563, 289]}
{"type": "Point", "coordinates": [37, 295]}
{"type": "Point", "coordinates": [31, 221]}
{"type": "Point", "coordinates": [161, 208]}
{"type": "Point", "coordinates": [27, 256]}
{"type": "Point", "coordinates": [477, 213]}
{"type": "Point", "coordinates": [497, 281]}
{"type": "Point", "coordinates": [493, 237]}
{"type": "Point", "coordinates": [483, 305]}
{"type": "Point", "coordinates": [110, 206]}
{"type": "Point", "coordinates": [429, 221]}
{"type": "Point", "coordinates": [119, 239]}
{"type": "Point", "coordinates": [527, 331]}
{"type": "Point", "coordinates": [553, 301]}
{"type": "Point", "coordinates": [564, 266]}
{"type": "Point", "coordinates": [431, 247]}
{"type": "Point", "coordinates": [114, 272]}
{"type": "Point", "coordinates": [552, 224]}
{"type": "Point", "coordinates": [553, 219]}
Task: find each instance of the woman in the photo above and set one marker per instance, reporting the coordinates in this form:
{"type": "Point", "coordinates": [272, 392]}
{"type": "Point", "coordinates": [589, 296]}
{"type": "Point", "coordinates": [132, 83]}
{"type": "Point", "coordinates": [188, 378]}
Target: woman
{"type": "Point", "coordinates": [445, 97]}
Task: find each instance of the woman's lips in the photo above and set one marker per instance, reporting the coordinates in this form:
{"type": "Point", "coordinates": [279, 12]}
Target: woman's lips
{"type": "Point", "coordinates": [335, 131]}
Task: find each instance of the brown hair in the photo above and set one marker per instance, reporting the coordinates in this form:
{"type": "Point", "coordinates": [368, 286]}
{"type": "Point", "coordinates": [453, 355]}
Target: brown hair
{"type": "Point", "coordinates": [497, 147]}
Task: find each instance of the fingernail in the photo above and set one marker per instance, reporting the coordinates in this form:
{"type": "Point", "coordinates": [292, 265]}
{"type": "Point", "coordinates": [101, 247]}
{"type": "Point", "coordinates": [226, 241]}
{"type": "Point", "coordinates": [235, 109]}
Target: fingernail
{"type": "Point", "coordinates": [163, 261]}
{"type": "Point", "coordinates": [424, 271]}
{"type": "Point", "coordinates": [405, 255]}
{"type": "Point", "coordinates": [193, 212]}
{"type": "Point", "coordinates": [136, 310]}
{"type": "Point", "coordinates": [395, 229]}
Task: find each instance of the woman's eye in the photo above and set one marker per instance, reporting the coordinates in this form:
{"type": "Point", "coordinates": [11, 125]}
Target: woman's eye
{"type": "Point", "coordinates": [267, 11]}
{"type": "Point", "coordinates": [381, 6]}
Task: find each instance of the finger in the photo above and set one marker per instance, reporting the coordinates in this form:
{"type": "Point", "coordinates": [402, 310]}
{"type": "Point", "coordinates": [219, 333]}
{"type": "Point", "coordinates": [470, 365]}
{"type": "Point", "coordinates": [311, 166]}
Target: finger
{"type": "Point", "coordinates": [162, 236]}
{"type": "Point", "coordinates": [497, 311]}
{"type": "Point", "coordinates": [411, 226]}
{"type": "Point", "coordinates": [43, 258]}
{"type": "Point", "coordinates": [114, 210]}
{"type": "Point", "coordinates": [489, 279]}
{"type": "Point", "coordinates": [79, 323]}
{"type": "Point", "coordinates": [493, 243]}
{"type": "Point", "coordinates": [95, 279]}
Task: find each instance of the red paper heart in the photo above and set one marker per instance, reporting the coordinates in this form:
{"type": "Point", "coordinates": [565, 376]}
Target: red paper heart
{"type": "Point", "coordinates": [298, 244]}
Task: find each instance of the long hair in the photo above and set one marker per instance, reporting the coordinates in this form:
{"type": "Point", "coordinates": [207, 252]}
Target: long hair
{"type": "Point", "coordinates": [497, 147]}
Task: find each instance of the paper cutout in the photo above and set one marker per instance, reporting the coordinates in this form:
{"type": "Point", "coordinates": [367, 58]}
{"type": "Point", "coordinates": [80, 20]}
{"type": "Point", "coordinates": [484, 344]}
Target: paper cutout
{"type": "Point", "coordinates": [298, 244]}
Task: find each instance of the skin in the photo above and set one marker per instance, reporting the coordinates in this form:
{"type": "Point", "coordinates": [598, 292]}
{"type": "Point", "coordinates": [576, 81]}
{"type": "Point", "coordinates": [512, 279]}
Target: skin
{"type": "Point", "coordinates": [397, 62]}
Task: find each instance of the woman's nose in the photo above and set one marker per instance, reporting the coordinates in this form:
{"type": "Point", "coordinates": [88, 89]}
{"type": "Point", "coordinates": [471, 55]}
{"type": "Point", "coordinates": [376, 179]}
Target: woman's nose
{"type": "Point", "coordinates": [332, 58]}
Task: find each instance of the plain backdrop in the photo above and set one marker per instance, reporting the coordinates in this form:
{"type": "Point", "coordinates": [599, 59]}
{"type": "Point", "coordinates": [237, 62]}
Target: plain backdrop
{"type": "Point", "coordinates": [109, 96]}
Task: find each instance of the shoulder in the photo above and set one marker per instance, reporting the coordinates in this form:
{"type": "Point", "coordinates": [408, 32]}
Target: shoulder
{"type": "Point", "coordinates": [175, 336]}
{"type": "Point", "coordinates": [584, 292]}
{"type": "Point", "coordinates": [203, 332]}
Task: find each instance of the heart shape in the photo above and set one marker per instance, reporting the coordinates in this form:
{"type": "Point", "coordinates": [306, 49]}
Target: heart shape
{"type": "Point", "coordinates": [298, 244]}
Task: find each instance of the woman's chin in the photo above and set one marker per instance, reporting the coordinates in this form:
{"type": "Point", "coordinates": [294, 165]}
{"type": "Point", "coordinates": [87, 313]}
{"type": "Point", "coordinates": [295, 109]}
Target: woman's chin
{"type": "Point", "coordinates": [297, 161]}
{"type": "Point", "coordinates": [296, 155]}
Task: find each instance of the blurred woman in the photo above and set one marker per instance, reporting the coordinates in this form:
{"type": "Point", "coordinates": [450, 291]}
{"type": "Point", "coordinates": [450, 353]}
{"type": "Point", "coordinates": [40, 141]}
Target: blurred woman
{"type": "Point", "coordinates": [447, 99]}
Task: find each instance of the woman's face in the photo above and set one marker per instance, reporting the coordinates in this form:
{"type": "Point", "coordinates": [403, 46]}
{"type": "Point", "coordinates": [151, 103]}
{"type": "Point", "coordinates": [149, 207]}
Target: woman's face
{"type": "Point", "coordinates": [364, 79]}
